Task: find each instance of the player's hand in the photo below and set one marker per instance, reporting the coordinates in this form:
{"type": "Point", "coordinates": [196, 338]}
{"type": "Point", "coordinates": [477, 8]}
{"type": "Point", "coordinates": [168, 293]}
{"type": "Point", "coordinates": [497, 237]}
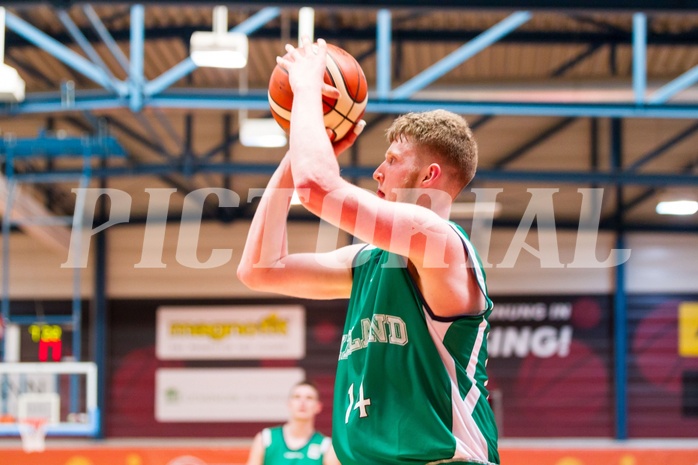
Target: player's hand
{"type": "Point", "coordinates": [306, 66]}
{"type": "Point", "coordinates": [348, 140]}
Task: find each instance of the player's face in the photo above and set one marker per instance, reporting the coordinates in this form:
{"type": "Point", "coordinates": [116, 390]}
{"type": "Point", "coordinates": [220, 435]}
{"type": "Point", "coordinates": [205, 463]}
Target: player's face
{"type": "Point", "coordinates": [399, 172]}
{"type": "Point", "coordinates": [304, 403]}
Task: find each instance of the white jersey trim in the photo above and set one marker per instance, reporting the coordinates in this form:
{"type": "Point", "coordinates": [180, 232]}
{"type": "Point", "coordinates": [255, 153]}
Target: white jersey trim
{"type": "Point", "coordinates": [266, 437]}
{"type": "Point", "coordinates": [325, 445]}
{"type": "Point", "coordinates": [470, 442]}
{"type": "Point", "coordinates": [473, 257]}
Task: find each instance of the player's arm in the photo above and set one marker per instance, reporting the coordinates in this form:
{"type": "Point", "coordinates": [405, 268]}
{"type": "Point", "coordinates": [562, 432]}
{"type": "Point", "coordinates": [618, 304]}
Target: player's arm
{"type": "Point", "coordinates": [330, 458]}
{"type": "Point", "coordinates": [256, 456]}
{"type": "Point", "coordinates": [267, 266]}
{"type": "Point", "coordinates": [405, 229]}
{"type": "Point", "coordinates": [442, 269]}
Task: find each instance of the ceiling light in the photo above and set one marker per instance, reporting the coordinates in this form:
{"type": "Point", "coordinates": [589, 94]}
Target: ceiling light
{"type": "Point", "coordinates": [220, 48]}
{"type": "Point", "coordinates": [261, 132]}
{"type": "Point", "coordinates": [677, 207]}
{"type": "Point", "coordinates": [11, 84]}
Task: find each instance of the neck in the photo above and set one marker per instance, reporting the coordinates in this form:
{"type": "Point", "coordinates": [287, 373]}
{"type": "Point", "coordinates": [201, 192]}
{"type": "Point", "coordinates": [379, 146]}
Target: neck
{"type": "Point", "coordinates": [300, 428]}
{"type": "Point", "coordinates": [438, 201]}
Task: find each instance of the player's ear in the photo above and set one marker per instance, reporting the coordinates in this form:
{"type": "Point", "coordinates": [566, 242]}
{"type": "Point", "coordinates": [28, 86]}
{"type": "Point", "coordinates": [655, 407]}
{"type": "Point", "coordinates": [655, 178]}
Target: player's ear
{"type": "Point", "coordinates": [431, 174]}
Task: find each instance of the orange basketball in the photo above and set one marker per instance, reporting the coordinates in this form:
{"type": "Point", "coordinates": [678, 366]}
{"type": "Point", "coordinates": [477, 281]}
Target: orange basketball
{"type": "Point", "coordinates": [342, 114]}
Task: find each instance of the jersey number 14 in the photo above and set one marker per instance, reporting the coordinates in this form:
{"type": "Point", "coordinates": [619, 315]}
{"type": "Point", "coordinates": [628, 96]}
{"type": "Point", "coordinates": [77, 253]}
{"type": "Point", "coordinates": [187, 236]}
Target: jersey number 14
{"type": "Point", "coordinates": [361, 403]}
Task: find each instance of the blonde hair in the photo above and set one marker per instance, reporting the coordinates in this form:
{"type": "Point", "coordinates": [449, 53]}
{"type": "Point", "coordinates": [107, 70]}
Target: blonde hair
{"type": "Point", "coordinates": [445, 134]}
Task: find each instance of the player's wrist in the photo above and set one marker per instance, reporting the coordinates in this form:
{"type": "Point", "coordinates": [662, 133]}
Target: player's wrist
{"type": "Point", "coordinates": [307, 88]}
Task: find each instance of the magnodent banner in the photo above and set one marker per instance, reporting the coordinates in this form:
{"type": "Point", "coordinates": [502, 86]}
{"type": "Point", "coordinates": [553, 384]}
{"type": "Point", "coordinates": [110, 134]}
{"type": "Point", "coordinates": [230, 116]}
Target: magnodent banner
{"type": "Point", "coordinates": [224, 394]}
{"type": "Point", "coordinates": [231, 333]}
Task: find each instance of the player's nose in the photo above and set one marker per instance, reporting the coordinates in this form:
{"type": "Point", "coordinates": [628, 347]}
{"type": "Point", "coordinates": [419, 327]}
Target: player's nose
{"type": "Point", "coordinates": [377, 174]}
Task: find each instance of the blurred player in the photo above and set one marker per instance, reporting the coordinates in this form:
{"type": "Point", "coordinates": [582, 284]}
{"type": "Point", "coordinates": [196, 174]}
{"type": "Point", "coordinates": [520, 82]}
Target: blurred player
{"type": "Point", "coordinates": [296, 442]}
{"type": "Point", "coordinates": [410, 386]}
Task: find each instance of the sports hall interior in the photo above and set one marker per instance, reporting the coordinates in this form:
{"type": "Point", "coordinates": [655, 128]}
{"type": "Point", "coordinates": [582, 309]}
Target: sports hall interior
{"type": "Point", "coordinates": [127, 192]}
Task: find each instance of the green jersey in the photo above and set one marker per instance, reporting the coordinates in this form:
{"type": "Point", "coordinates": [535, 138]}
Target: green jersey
{"type": "Point", "coordinates": [276, 452]}
{"type": "Point", "coordinates": [410, 386]}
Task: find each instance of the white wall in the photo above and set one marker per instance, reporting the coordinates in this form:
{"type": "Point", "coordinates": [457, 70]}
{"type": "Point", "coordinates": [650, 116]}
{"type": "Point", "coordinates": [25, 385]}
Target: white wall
{"type": "Point", "coordinates": [36, 272]}
{"type": "Point", "coordinates": [663, 263]}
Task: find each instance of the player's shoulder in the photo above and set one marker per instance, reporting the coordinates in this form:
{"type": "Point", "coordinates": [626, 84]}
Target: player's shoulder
{"type": "Point", "coordinates": [265, 436]}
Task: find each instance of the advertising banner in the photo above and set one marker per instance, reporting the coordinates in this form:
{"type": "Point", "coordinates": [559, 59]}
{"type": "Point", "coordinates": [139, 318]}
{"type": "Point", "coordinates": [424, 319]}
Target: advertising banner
{"type": "Point", "coordinates": [663, 366]}
{"type": "Point", "coordinates": [550, 366]}
{"type": "Point", "coordinates": [231, 333]}
{"type": "Point", "coordinates": [140, 454]}
{"type": "Point", "coordinates": [224, 394]}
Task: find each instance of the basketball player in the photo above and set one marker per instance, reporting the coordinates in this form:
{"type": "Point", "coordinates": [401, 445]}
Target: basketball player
{"type": "Point", "coordinates": [410, 385]}
{"type": "Point", "coordinates": [296, 442]}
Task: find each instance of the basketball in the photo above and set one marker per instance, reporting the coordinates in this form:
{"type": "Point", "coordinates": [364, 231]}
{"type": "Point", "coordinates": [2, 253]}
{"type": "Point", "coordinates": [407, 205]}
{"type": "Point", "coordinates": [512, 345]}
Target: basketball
{"type": "Point", "coordinates": [342, 114]}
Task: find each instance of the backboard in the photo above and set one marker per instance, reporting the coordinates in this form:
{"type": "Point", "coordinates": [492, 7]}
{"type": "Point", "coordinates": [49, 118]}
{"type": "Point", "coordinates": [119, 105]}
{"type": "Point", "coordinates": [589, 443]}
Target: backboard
{"type": "Point", "coordinates": [64, 394]}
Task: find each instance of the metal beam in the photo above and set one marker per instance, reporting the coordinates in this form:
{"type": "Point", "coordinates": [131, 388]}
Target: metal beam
{"type": "Point", "coordinates": [660, 150]}
{"type": "Point", "coordinates": [462, 54]}
{"type": "Point", "coordinates": [574, 61]}
{"type": "Point", "coordinates": [24, 210]}
{"type": "Point", "coordinates": [364, 33]}
{"type": "Point", "coordinates": [383, 53]}
{"type": "Point", "coordinates": [186, 66]}
{"type": "Point", "coordinates": [623, 178]}
{"type": "Point", "coordinates": [540, 138]}
{"type": "Point", "coordinates": [50, 146]}
{"type": "Point", "coordinates": [136, 74]}
{"type": "Point", "coordinates": [106, 37]}
{"type": "Point", "coordinates": [649, 193]}
{"type": "Point", "coordinates": [546, 5]}
{"type": "Point", "coordinates": [639, 57]}
{"type": "Point", "coordinates": [63, 53]}
{"type": "Point", "coordinates": [682, 82]}
{"type": "Point", "coordinates": [620, 312]}
{"type": "Point", "coordinates": [225, 99]}
{"type": "Point", "coordinates": [84, 44]}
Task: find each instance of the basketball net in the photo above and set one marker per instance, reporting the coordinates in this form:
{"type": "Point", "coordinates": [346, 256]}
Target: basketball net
{"type": "Point", "coordinates": [33, 433]}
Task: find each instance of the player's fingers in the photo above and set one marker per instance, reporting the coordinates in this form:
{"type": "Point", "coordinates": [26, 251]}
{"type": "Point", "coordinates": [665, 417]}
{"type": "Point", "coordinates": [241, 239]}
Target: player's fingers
{"type": "Point", "coordinates": [321, 48]}
{"type": "Point", "coordinates": [348, 140]}
{"type": "Point", "coordinates": [283, 62]}
{"type": "Point", "coordinates": [329, 91]}
{"type": "Point", "coordinates": [351, 136]}
{"type": "Point", "coordinates": [290, 48]}
{"type": "Point", "coordinates": [306, 42]}
{"type": "Point", "coordinates": [359, 128]}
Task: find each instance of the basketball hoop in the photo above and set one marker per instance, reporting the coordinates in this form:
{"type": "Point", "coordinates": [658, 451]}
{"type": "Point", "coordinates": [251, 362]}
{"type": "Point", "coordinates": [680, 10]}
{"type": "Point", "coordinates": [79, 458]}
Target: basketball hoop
{"type": "Point", "coordinates": [33, 432]}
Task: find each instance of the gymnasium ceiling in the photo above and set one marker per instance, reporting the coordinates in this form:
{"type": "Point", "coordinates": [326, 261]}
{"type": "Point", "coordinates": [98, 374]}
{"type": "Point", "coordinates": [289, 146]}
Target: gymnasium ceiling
{"type": "Point", "coordinates": [552, 102]}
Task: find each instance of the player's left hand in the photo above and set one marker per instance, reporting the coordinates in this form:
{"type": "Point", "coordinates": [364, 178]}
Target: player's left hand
{"type": "Point", "coordinates": [306, 66]}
